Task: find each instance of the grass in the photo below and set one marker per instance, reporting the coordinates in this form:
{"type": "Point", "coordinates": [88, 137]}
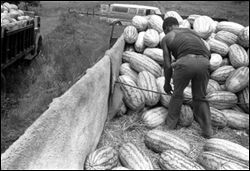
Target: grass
{"type": "Point", "coordinates": [71, 45]}
{"type": "Point", "coordinates": [130, 128]}
{"type": "Point", "coordinates": [67, 52]}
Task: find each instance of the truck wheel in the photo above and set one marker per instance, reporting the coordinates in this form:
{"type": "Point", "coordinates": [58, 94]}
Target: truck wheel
{"type": "Point", "coordinates": [3, 87]}
{"type": "Point", "coordinates": [39, 46]}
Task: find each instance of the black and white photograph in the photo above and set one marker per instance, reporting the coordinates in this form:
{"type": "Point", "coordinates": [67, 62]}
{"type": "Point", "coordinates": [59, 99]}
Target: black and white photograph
{"type": "Point", "coordinates": [124, 85]}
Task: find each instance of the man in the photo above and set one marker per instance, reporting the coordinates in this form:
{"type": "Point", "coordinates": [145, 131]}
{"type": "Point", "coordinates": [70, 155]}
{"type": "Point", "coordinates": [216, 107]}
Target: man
{"type": "Point", "coordinates": [192, 65]}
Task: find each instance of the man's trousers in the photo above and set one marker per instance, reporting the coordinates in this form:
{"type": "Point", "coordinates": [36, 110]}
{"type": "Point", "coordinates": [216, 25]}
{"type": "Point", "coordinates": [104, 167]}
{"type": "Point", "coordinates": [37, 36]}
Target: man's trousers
{"type": "Point", "coordinates": [194, 68]}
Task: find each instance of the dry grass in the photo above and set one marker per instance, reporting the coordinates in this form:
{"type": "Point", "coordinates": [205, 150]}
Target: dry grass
{"type": "Point", "coordinates": [129, 128]}
{"type": "Point", "coordinates": [74, 45]}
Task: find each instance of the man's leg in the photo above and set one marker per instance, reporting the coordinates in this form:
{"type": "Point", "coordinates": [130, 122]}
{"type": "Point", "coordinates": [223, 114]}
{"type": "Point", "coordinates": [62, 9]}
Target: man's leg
{"type": "Point", "coordinates": [181, 77]}
{"type": "Point", "coordinates": [200, 105]}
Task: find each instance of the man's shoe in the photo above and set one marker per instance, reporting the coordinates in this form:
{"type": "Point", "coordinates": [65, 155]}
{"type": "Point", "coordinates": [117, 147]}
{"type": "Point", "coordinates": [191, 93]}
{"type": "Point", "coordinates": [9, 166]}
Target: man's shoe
{"type": "Point", "coordinates": [208, 134]}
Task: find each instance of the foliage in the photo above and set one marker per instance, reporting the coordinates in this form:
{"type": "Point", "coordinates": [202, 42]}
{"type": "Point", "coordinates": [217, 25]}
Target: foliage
{"type": "Point", "coordinates": [30, 3]}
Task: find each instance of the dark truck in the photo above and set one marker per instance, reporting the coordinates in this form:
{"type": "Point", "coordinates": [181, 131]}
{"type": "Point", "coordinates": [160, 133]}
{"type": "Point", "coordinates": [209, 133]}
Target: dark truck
{"type": "Point", "coordinates": [22, 43]}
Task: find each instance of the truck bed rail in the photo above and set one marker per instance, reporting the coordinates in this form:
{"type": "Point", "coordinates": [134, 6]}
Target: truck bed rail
{"type": "Point", "coordinates": [16, 44]}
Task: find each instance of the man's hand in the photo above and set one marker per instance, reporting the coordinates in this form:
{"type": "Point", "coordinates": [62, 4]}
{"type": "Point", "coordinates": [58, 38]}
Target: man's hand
{"type": "Point", "coordinates": [168, 88]}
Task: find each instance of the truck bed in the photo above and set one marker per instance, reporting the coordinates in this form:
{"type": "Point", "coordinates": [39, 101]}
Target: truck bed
{"type": "Point", "coordinates": [16, 44]}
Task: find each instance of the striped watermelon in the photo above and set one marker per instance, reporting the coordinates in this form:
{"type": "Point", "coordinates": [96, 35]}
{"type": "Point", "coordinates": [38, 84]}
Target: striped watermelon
{"type": "Point", "coordinates": [222, 99]}
{"type": "Point", "coordinates": [238, 56]}
{"type": "Point", "coordinates": [130, 34]}
{"type": "Point", "coordinates": [155, 22]}
{"type": "Point", "coordinates": [222, 73]}
{"type": "Point", "coordinates": [232, 27]}
{"type": "Point", "coordinates": [202, 25]}
{"type": "Point", "coordinates": [104, 158]}
{"type": "Point", "coordinates": [154, 117]}
{"type": "Point", "coordinates": [236, 119]}
{"type": "Point", "coordinates": [175, 160]}
{"type": "Point", "coordinates": [233, 166]}
{"type": "Point", "coordinates": [215, 61]}
{"type": "Point", "coordinates": [140, 23]}
{"type": "Point", "coordinates": [127, 55]}
{"type": "Point", "coordinates": [219, 47]}
{"type": "Point", "coordinates": [155, 54]}
{"type": "Point", "coordinates": [238, 80]}
{"type": "Point", "coordinates": [244, 37]}
{"type": "Point", "coordinates": [226, 37]}
{"type": "Point", "coordinates": [175, 15]}
{"type": "Point", "coordinates": [133, 158]}
{"type": "Point", "coordinates": [125, 69]}
{"type": "Point", "coordinates": [144, 63]}
{"type": "Point", "coordinates": [120, 168]}
{"type": "Point", "coordinates": [244, 99]}
{"type": "Point", "coordinates": [160, 141]}
{"type": "Point", "coordinates": [217, 117]}
{"type": "Point", "coordinates": [133, 98]}
{"type": "Point", "coordinates": [139, 44]}
{"type": "Point", "coordinates": [186, 116]}
{"type": "Point", "coordinates": [147, 81]}
{"type": "Point", "coordinates": [151, 38]}
{"type": "Point", "coordinates": [214, 161]}
{"type": "Point", "coordinates": [227, 148]}
{"type": "Point", "coordinates": [213, 86]}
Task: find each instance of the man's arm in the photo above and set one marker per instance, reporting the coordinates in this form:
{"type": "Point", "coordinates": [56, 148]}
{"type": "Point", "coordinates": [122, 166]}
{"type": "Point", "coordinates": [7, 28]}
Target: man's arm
{"type": "Point", "coordinates": [167, 62]}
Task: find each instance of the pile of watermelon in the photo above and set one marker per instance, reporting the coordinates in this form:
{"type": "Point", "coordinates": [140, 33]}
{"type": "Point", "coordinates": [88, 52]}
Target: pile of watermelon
{"type": "Point", "coordinates": [228, 88]}
{"type": "Point", "coordinates": [13, 18]}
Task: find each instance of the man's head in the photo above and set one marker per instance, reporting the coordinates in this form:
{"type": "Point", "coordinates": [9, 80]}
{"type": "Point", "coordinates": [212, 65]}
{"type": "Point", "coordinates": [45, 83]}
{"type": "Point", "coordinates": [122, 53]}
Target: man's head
{"type": "Point", "coordinates": [169, 24]}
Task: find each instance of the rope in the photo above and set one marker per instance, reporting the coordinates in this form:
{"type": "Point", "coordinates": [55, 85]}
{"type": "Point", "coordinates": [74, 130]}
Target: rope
{"type": "Point", "coordinates": [186, 98]}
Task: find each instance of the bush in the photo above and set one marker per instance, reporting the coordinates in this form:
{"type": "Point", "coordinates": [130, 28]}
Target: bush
{"type": "Point", "coordinates": [30, 3]}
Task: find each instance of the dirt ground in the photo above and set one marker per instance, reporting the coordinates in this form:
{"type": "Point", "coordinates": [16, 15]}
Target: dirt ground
{"type": "Point", "coordinates": [71, 45]}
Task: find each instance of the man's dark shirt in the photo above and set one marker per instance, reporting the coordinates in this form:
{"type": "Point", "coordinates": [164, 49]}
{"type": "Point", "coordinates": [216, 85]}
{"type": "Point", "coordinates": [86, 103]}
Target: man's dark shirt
{"type": "Point", "coordinates": [187, 42]}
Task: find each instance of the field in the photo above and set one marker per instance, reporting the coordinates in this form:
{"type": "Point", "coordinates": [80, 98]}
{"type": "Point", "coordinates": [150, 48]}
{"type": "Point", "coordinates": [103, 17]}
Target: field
{"type": "Point", "coordinates": [71, 44]}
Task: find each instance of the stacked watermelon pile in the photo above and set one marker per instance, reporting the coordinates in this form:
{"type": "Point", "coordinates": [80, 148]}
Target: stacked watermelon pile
{"type": "Point", "coordinates": [227, 93]}
{"type": "Point", "coordinates": [13, 18]}
{"type": "Point", "coordinates": [173, 151]}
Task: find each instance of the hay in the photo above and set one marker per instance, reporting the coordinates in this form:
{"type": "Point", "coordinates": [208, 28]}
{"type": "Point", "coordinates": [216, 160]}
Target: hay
{"type": "Point", "coordinates": [129, 128]}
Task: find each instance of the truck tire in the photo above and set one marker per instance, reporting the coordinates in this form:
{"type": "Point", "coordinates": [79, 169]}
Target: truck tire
{"type": "Point", "coordinates": [3, 87]}
{"type": "Point", "coordinates": [39, 46]}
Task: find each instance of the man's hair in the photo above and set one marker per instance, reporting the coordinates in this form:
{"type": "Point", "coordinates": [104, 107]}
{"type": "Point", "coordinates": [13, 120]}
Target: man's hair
{"type": "Point", "coordinates": [170, 21]}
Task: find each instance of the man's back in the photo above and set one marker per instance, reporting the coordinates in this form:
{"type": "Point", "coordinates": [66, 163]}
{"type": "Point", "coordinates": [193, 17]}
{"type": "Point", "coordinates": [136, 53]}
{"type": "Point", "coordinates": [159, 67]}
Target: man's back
{"type": "Point", "coordinates": [183, 41]}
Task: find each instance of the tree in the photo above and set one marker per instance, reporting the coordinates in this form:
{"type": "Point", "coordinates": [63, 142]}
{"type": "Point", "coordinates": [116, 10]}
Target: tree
{"type": "Point", "coordinates": [31, 3]}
